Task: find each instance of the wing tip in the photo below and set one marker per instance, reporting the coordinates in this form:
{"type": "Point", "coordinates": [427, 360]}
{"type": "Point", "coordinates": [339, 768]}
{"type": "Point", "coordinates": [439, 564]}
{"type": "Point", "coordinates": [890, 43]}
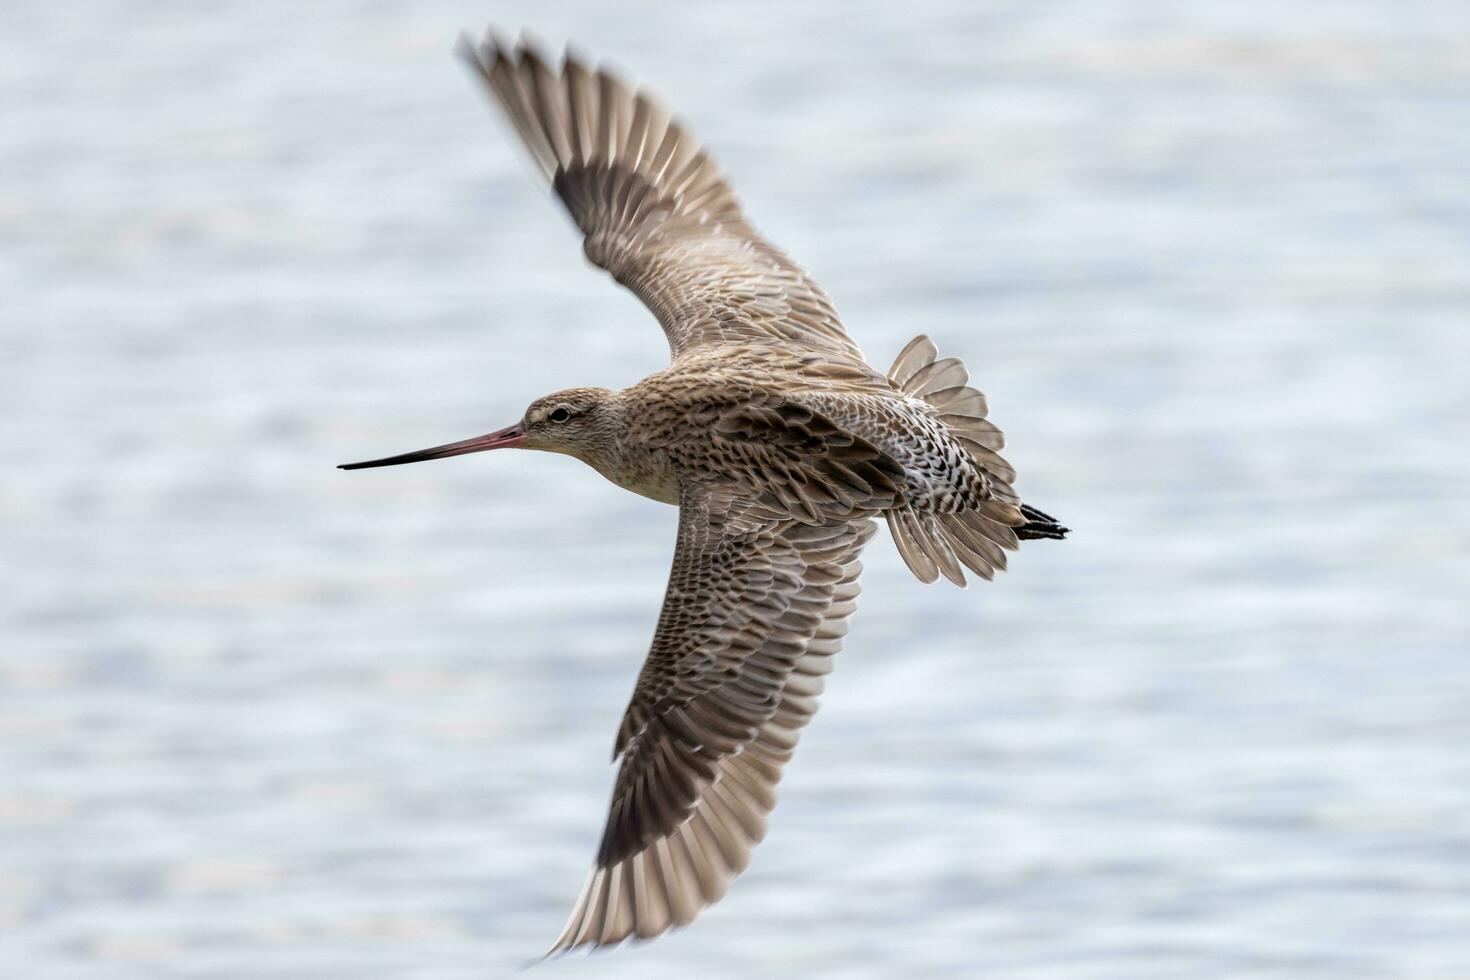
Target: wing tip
{"type": "Point", "coordinates": [495, 44]}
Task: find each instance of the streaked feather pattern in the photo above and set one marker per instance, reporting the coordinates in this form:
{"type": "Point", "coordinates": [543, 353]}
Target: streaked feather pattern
{"type": "Point", "coordinates": [780, 444]}
{"type": "Point", "coordinates": [747, 633]}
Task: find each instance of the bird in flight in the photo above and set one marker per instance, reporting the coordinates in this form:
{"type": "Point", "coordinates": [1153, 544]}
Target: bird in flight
{"type": "Point", "coordinates": [780, 446]}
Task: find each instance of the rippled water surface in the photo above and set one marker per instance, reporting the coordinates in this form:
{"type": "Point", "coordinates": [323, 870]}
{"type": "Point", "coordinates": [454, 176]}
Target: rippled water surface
{"type": "Point", "coordinates": [262, 718]}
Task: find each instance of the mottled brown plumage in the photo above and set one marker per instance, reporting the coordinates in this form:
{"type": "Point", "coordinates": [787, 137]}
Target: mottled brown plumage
{"type": "Point", "coordinates": [779, 444]}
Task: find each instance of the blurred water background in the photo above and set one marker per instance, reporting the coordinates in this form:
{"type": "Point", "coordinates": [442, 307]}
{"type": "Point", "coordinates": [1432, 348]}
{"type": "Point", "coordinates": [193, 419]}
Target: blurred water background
{"type": "Point", "coordinates": [262, 718]}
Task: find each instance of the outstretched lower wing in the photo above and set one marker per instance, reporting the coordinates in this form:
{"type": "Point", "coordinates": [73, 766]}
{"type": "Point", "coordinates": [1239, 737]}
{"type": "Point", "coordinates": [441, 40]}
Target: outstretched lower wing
{"type": "Point", "coordinates": [748, 629]}
{"type": "Point", "coordinates": [654, 208]}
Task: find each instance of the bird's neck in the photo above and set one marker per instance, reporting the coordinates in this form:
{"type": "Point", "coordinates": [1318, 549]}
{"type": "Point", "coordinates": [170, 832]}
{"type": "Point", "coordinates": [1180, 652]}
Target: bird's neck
{"type": "Point", "coordinates": [646, 472]}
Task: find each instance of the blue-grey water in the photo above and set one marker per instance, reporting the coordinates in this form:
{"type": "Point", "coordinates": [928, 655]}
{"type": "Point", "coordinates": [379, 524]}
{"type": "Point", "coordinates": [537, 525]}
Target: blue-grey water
{"type": "Point", "coordinates": [262, 718]}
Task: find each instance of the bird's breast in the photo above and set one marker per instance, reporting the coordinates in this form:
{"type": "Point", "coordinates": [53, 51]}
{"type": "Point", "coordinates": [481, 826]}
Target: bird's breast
{"type": "Point", "coordinates": [648, 474]}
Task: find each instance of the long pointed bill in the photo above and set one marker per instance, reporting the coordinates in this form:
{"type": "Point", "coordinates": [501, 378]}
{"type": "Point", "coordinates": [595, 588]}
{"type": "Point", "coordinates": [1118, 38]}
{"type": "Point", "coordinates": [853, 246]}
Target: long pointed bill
{"type": "Point", "coordinates": [512, 435]}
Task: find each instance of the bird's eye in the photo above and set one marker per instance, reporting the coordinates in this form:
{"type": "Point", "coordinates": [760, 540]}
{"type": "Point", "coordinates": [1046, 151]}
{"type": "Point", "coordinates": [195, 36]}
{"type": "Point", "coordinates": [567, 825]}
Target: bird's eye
{"type": "Point", "coordinates": [560, 415]}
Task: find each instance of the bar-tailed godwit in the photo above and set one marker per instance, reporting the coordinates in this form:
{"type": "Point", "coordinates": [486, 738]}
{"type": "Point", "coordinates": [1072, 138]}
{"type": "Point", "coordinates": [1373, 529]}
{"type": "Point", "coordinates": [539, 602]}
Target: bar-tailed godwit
{"type": "Point", "coordinates": [778, 443]}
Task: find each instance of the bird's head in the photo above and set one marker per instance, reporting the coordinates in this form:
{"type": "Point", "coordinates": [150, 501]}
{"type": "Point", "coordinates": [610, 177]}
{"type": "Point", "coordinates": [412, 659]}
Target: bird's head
{"type": "Point", "coordinates": [578, 422]}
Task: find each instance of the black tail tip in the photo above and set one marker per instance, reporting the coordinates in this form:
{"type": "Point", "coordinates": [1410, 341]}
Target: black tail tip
{"type": "Point", "coordinates": [1039, 524]}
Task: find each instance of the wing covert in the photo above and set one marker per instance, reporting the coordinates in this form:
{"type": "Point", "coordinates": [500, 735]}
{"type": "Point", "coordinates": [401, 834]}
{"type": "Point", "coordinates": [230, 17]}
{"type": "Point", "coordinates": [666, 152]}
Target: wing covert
{"type": "Point", "coordinates": [749, 626]}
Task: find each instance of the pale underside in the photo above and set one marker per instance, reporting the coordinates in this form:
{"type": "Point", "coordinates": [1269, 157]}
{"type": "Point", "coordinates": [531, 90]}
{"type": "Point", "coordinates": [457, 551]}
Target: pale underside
{"type": "Point", "coordinates": [776, 491]}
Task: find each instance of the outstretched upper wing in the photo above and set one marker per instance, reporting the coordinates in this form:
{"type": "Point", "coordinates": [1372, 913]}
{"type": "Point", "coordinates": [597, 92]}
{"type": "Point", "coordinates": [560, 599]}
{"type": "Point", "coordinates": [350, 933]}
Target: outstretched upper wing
{"type": "Point", "coordinates": [654, 208]}
{"type": "Point", "coordinates": [749, 626]}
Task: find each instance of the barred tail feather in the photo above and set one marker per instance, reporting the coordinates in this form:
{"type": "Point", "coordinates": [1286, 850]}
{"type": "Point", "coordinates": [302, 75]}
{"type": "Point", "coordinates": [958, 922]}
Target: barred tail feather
{"type": "Point", "coordinates": [933, 544]}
